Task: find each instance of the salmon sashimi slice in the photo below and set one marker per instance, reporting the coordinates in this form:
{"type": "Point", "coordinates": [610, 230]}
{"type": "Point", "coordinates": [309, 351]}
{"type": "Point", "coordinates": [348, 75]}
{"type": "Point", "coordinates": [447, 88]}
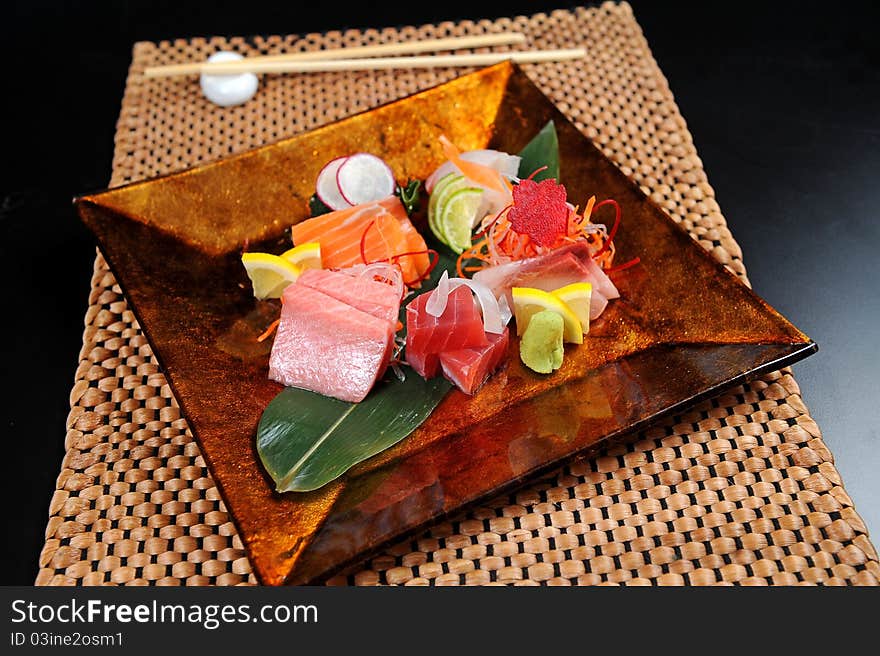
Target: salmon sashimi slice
{"type": "Point", "coordinates": [419, 262]}
{"type": "Point", "coordinates": [327, 346]}
{"type": "Point", "coordinates": [361, 292]}
{"type": "Point", "coordinates": [372, 232]}
{"type": "Point", "coordinates": [308, 230]}
{"type": "Point", "coordinates": [377, 239]}
{"type": "Point", "coordinates": [469, 369]}
{"type": "Point", "coordinates": [460, 326]}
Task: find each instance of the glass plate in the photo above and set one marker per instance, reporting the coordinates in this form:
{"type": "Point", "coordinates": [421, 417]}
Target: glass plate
{"type": "Point", "coordinates": [684, 329]}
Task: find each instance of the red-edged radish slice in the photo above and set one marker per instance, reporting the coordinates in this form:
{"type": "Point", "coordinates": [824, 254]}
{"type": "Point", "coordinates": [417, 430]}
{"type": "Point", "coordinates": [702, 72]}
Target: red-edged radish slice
{"type": "Point", "coordinates": [326, 187]}
{"type": "Point", "coordinates": [364, 177]}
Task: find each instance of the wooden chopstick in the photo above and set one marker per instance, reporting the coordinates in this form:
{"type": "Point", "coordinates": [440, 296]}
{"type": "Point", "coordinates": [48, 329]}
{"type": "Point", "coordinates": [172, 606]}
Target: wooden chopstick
{"type": "Point", "coordinates": [379, 63]}
{"type": "Point", "coordinates": [354, 52]}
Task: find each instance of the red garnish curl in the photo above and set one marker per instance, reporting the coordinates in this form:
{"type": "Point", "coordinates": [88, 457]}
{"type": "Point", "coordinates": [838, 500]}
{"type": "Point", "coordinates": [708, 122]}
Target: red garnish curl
{"type": "Point", "coordinates": [624, 266]}
{"type": "Point", "coordinates": [539, 211]}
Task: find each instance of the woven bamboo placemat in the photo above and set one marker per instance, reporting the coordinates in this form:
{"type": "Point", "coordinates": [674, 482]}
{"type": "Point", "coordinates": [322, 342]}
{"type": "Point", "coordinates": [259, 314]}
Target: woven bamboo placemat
{"type": "Point", "coordinates": [741, 489]}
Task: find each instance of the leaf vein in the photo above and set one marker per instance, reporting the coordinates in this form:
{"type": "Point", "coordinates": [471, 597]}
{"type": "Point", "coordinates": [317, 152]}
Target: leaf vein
{"type": "Point", "coordinates": [284, 484]}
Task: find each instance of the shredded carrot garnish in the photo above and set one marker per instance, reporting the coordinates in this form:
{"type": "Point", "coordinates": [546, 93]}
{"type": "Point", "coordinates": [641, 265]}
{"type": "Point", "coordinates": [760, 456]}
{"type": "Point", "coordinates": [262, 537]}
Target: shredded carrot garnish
{"type": "Point", "coordinates": [588, 210]}
{"type": "Point", "coordinates": [271, 329]}
{"type": "Point", "coordinates": [482, 175]}
{"type": "Point", "coordinates": [492, 222]}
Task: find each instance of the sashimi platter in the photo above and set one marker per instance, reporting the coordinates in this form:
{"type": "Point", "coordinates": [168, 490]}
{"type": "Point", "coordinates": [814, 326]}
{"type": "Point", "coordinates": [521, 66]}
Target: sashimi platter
{"type": "Point", "coordinates": [383, 320]}
{"type": "Point", "coordinates": [361, 312]}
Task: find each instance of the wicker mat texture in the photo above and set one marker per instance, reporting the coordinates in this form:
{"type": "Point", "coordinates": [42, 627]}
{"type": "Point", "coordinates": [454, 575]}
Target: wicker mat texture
{"type": "Point", "coordinates": [740, 490]}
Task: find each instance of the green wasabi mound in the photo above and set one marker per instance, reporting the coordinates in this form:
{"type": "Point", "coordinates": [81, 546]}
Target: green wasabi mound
{"type": "Point", "coordinates": [541, 348]}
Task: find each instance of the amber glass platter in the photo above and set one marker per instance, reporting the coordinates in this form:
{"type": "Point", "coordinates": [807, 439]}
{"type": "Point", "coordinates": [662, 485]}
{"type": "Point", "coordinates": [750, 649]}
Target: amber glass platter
{"type": "Point", "coordinates": [685, 327]}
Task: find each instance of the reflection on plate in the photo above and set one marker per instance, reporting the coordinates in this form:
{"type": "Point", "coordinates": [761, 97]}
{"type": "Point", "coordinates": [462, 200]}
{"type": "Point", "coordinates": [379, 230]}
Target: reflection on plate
{"type": "Point", "coordinates": [684, 329]}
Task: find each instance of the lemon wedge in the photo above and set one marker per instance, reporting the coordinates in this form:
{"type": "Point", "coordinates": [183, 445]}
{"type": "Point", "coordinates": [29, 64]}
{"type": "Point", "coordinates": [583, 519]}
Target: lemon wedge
{"type": "Point", "coordinates": [528, 301]}
{"type": "Point", "coordinates": [305, 256]}
{"type": "Point", "coordinates": [577, 296]}
{"type": "Point", "coordinates": [269, 274]}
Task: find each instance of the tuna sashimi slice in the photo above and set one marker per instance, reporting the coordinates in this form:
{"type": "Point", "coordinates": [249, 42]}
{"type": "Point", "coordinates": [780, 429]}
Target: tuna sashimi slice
{"type": "Point", "coordinates": [327, 346]}
{"type": "Point", "coordinates": [460, 325]}
{"type": "Point", "coordinates": [470, 368]}
{"type": "Point", "coordinates": [426, 365]}
{"type": "Point", "coordinates": [361, 292]}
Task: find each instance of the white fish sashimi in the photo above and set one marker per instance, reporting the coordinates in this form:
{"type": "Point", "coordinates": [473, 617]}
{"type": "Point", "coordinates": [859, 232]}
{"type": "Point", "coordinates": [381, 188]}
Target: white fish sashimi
{"type": "Point", "coordinates": [600, 280]}
{"type": "Point", "coordinates": [560, 267]}
{"type": "Point", "coordinates": [598, 303]}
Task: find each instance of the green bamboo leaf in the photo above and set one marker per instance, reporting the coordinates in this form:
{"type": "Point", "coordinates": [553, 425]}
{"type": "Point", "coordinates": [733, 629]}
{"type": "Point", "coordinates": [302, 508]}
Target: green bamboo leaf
{"type": "Point", "coordinates": [305, 440]}
{"type": "Point", "coordinates": [542, 150]}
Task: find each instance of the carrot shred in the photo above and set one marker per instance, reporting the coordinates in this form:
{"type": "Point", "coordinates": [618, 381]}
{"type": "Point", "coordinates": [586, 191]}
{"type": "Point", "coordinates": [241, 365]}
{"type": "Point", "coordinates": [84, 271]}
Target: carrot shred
{"type": "Point", "coordinates": [482, 175]}
{"type": "Point", "coordinates": [271, 329]}
{"type": "Point", "coordinates": [588, 210]}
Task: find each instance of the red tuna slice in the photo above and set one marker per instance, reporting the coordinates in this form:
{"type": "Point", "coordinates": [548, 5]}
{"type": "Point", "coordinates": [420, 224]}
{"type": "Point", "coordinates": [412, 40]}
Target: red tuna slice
{"type": "Point", "coordinates": [426, 365]}
{"type": "Point", "coordinates": [361, 292]}
{"type": "Point", "coordinates": [327, 346]}
{"type": "Point", "coordinates": [460, 325]}
{"type": "Point", "coordinates": [470, 368]}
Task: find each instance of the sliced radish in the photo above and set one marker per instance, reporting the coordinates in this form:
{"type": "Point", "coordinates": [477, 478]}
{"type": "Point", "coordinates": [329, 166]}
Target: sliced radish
{"type": "Point", "coordinates": [364, 177]}
{"type": "Point", "coordinates": [326, 187]}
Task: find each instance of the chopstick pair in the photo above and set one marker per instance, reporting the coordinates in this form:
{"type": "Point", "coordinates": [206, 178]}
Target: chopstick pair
{"type": "Point", "coordinates": [365, 57]}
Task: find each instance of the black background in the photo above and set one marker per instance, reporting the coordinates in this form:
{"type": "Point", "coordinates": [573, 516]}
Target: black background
{"type": "Point", "coordinates": [783, 100]}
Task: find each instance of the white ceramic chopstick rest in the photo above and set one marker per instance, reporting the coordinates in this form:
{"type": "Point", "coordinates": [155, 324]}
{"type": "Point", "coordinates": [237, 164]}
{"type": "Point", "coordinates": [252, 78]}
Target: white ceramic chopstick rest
{"type": "Point", "coordinates": [228, 90]}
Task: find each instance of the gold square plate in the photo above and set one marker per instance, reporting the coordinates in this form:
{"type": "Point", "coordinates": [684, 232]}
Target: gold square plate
{"type": "Point", "coordinates": [684, 328]}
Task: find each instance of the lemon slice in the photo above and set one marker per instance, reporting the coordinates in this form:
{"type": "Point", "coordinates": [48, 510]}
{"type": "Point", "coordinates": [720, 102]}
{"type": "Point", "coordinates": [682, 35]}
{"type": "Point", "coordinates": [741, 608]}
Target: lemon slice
{"type": "Point", "coordinates": [528, 301]}
{"type": "Point", "coordinates": [457, 215]}
{"type": "Point", "coordinates": [269, 274]}
{"type": "Point", "coordinates": [305, 256]}
{"type": "Point", "coordinates": [577, 296]}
